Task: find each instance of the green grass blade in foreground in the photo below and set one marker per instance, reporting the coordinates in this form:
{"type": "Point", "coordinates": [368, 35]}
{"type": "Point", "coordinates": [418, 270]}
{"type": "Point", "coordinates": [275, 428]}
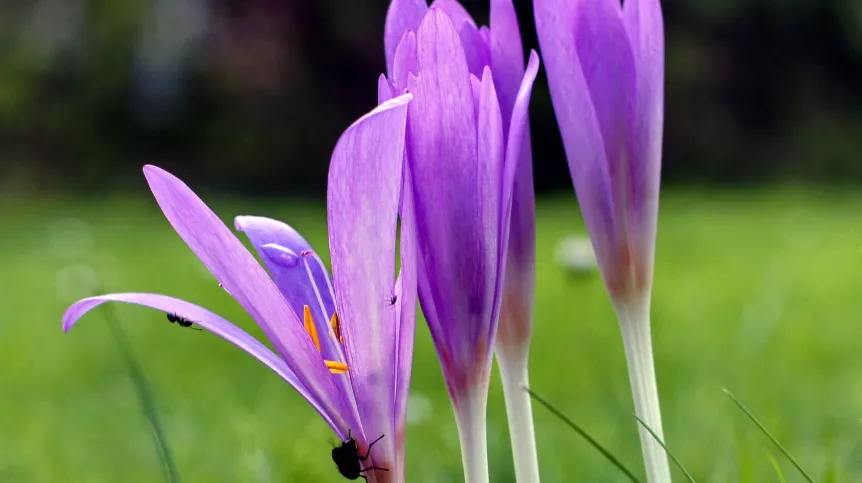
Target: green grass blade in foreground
{"type": "Point", "coordinates": [145, 396]}
{"type": "Point", "coordinates": [667, 450]}
{"type": "Point", "coordinates": [579, 430]}
{"type": "Point", "coordinates": [776, 467]}
{"type": "Point", "coordinates": [768, 434]}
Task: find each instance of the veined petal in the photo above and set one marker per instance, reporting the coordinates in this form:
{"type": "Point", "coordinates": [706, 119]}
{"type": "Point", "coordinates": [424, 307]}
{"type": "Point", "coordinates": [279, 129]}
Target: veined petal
{"type": "Point", "coordinates": [281, 247]}
{"type": "Point", "coordinates": [443, 164]}
{"type": "Point", "coordinates": [518, 136]}
{"type": "Point", "coordinates": [644, 24]}
{"type": "Point", "coordinates": [405, 60]}
{"type": "Point", "coordinates": [455, 11]}
{"type": "Point", "coordinates": [492, 189]}
{"type": "Point", "coordinates": [578, 122]}
{"type": "Point", "coordinates": [384, 89]}
{"type": "Point", "coordinates": [507, 56]}
{"type": "Point", "coordinates": [476, 48]}
{"type": "Point", "coordinates": [403, 15]}
{"type": "Point", "coordinates": [240, 274]}
{"type": "Point", "coordinates": [609, 71]}
{"type": "Point", "coordinates": [476, 87]}
{"type": "Point", "coordinates": [211, 322]}
{"type": "Point", "coordinates": [362, 203]}
{"type": "Point", "coordinates": [521, 236]}
{"type": "Point", "coordinates": [485, 33]}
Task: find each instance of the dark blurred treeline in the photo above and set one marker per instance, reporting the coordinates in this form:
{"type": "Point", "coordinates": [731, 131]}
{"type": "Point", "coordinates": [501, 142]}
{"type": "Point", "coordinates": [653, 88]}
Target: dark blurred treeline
{"type": "Point", "coordinates": [252, 94]}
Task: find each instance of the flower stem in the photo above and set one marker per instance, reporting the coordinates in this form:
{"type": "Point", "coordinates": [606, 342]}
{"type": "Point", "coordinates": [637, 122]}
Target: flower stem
{"type": "Point", "coordinates": [471, 414]}
{"type": "Point", "coordinates": [513, 361]}
{"type": "Point", "coordinates": [635, 326]}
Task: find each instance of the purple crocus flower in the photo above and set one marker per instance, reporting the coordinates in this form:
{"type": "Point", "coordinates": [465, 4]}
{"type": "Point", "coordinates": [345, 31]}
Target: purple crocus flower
{"type": "Point", "coordinates": [465, 143]}
{"type": "Point", "coordinates": [345, 347]}
{"type": "Point", "coordinates": [605, 64]}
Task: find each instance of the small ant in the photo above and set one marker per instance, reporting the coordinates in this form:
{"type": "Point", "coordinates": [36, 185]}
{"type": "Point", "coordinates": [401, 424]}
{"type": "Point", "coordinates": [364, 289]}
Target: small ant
{"type": "Point", "coordinates": [346, 456]}
{"type": "Point", "coordinates": [181, 321]}
{"type": "Point", "coordinates": [391, 300]}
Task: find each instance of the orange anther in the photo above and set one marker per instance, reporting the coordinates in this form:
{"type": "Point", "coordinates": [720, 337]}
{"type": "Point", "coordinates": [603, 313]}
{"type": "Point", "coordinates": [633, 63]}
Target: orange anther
{"type": "Point", "coordinates": [310, 327]}
{"type": "Point", "coordinates": [336, 367]}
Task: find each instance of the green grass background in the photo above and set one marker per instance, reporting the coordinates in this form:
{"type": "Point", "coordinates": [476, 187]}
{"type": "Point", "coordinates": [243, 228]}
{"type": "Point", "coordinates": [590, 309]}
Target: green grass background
{"type": "Point", "coordinates": [757, 290]}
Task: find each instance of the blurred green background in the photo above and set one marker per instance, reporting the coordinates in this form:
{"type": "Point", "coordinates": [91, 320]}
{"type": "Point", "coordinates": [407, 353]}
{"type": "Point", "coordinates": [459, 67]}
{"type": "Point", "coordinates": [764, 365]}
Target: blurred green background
{"type": "Point", "coordinates": [757, 276]}
{"type": "Point", "coordinates": [756, 291]}
{"type": "Point", "coordinates": [251, 95]}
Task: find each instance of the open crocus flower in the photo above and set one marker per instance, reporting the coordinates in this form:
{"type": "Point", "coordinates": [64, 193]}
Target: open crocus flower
{"type": "Point", "coordinates": [346, 348]}
{"type": "Point", "coordinates": [466, 129]}
{"type": "Point", "coordinates": [605, 64]}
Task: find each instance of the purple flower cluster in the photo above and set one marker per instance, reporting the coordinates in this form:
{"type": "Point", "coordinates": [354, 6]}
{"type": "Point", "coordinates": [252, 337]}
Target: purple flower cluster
{"type": "Point", "coordinates": [447, 152]}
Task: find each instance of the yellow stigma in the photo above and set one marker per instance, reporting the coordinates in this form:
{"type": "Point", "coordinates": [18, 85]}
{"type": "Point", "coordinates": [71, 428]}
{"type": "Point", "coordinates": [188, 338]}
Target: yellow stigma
{"type": "Point", "coordinates": [311, 329]}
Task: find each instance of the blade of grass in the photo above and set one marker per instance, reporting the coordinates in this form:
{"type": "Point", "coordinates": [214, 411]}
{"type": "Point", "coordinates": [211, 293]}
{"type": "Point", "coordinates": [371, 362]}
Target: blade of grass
{"type": "Point", "coordinates": [666, 449]}
{"type": "Point", "coordinates": [145, 396]}
{"type": "Point", "coordinates": [776, 466]}
{"type": "Point", "coordinates": [593, 442]}
{"type": "Point", "coordinates": [768, 434]}
{"type": "Point", "coordinates": [743, 452]}
{"type": "Point", "coordinates": [831, 472]}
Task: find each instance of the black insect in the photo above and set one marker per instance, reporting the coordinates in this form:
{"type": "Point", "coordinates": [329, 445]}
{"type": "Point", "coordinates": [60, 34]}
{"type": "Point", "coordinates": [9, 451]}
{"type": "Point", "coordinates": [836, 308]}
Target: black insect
{"type": "Point", "coordinates": [391, 300]}
{"type": "Point", "coordinates": [346, 456]}
{"type": "Point", "coordinates": [181, 321]}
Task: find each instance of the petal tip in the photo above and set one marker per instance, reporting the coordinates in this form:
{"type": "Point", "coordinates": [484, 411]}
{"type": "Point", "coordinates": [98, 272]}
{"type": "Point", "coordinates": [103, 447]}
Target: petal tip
{"type": "Point", "coordinates": [240, 222]}
{"type": "Point", "coordinates": [155, 174]}
{"type": "Point", "coordinates": [534, 57]}
{"type": "Point", "coordinates": [73, 314]}
{"type": "Point", "coordinates": [152, 170]}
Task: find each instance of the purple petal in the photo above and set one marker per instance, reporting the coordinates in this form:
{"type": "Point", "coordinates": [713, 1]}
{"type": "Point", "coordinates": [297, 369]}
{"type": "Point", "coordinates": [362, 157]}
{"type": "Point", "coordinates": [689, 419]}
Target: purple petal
{"type": "Point", "coordinates": [521, 237]}
{"type": "Point", "coordinates": [211, 322]}
{"type": "Point", "coordinates": [453, 273]}
{"type": "Point", "coordinates": [494, 188]}
{"type": "Point", "coordinates": [455, 11]}
{"type": "Point", "coordinates": [384, 89]}
{"type": "Point", "coordinates": [644, 24]}
{"type": "Point", "coordinates": [475, 48]}
{"type": "Point", "coordinates": [405, 60]}
{"type": "Point", "coordinates": [576, 117]}
{"type": "Point", "coordinates": [476, 87]}
{"type": "Point", "coordinates": [362, 199]}
{"type": "Point", "coordinates": [518, 157]}
{"type": "Point", "coordinates": [507, 56]}
{"type": "Point", "coordinates": [403, 15]}
{"type": "Point", "coordinates": [608, 66]}
{"type": "Point", "coordinates": [281, 247]}
{"type": "Point", "coordinates": [240, 274]}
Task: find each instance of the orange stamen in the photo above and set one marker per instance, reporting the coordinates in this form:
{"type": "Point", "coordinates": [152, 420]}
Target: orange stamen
{"type": "Point", "coordinates": [336, 367]}
{"type": "Point", "coordinates": [336, 327]}
{"type": "Point", "coordinates": [310, 327]}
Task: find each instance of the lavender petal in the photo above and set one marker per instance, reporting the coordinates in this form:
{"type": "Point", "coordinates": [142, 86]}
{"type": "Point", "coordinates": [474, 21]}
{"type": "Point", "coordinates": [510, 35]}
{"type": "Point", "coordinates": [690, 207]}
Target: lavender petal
{"type": "Point", "coordinates": [362, 203]}
{"type": "Point", "coordinates": [211, 322]}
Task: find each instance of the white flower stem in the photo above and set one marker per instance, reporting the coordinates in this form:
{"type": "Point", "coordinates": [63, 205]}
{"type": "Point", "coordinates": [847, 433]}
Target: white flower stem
{"type": "Point", "coordinates": [513, 362]}
{"type": "Point", "coordinates": [635, 326]}
{"type": "Point", "coordinates": [471, 414]}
